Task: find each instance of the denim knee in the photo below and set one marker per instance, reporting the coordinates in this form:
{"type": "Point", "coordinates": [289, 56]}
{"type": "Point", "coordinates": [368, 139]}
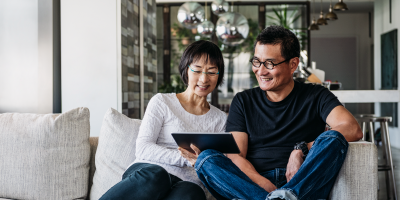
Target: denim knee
{"type": "Point", "coordinates": [151, 176]}
{"type": "Point", "coordinates": [332, 134]}
{"type": "Point", "coordinates": [206, 154]}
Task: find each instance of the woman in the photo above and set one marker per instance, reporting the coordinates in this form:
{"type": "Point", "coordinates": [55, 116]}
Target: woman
{"type": "Point", "coordinates": [159, 171]}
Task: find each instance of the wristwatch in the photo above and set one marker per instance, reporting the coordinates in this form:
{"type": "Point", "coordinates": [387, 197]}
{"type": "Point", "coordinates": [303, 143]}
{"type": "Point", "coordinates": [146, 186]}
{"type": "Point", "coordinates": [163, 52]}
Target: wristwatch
{"type": "Point", "coordinates": [303, 147]}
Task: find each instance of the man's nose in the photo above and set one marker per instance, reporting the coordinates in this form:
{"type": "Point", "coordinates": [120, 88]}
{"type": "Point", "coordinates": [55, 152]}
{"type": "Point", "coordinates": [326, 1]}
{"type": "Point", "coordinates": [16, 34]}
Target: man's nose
{"type": "Point", "coordinates": [262, 70]}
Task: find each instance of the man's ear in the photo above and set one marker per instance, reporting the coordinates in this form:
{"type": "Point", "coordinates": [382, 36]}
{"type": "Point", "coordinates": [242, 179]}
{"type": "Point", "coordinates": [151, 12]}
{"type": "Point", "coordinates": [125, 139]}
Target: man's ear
{"type": "Point", "coordinates": [294, 63]}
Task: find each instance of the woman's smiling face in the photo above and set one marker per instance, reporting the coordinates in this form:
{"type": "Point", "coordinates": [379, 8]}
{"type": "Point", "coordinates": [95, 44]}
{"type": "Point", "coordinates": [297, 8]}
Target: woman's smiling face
{"type": "Point", "coordinates": [199, 83]}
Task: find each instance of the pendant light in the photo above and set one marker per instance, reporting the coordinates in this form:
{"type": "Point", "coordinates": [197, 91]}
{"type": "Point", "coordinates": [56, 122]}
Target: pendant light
{"type": "Point", "coordinates": [331, 15]}
{"type": "Point", "coordinates": [190, 14]}
{"type": "Point", "coordinates": [206, 28]}
{"type": "Point", "coordinates": [314, 26]}
{"type": "Point", "coordinates": [340, 6]}
{"type": "Point", "coordinates": [219, 7]}
{"type": "Point", "coordinates": [322, 20]}
{"type": "Point", "coordinates": [232, 28]}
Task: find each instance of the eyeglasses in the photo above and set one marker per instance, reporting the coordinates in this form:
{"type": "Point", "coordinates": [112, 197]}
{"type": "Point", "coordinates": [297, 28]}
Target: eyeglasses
{"type": "Point", "coordinates": [268, 64]}
{"type": "Point", "coordinates": [206, 73]}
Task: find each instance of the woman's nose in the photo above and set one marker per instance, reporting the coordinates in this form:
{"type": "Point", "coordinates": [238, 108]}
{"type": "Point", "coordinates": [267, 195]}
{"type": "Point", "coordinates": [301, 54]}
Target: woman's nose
{"type": "Point", "coordinates": [204, 77]}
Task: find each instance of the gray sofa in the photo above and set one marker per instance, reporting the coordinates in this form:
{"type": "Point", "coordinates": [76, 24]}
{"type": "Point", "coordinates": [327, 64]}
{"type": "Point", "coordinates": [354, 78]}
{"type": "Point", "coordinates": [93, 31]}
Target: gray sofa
{"type": "Point", "coordinates": [356, 180]}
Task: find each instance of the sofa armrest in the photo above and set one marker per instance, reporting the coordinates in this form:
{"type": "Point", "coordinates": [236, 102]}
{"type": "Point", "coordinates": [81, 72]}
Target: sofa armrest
{"type": "Point", "coordinates": [94, 141]}
{"type": "Point", "coordinates": [358, 177]}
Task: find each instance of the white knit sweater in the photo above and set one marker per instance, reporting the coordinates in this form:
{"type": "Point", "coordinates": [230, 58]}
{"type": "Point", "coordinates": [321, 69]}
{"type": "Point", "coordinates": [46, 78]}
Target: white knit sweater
{"type": "Point", "coordinates": [165, 115]}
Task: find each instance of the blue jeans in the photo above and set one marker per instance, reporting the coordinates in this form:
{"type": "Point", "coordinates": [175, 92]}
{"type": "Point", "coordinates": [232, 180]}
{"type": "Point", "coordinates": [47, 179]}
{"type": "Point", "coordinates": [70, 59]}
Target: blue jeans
{"type": "Point", "coordinates": [144, 181]}
{"type": "Point", "coordinates": [314, 180]}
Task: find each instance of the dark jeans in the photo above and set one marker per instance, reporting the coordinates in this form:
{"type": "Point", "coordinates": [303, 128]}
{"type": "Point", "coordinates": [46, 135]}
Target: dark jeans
{"type": "Point", "coordinates": [314, 180]}
{"type": "Point", "coordinates": [144, 181]}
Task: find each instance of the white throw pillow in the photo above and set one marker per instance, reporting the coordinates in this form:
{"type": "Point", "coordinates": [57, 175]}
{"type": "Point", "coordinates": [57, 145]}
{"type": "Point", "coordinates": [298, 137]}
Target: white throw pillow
{"type": "Point", "coordinates": [45, 156]}
{"type": "Point", "coordinates": [115, 152]}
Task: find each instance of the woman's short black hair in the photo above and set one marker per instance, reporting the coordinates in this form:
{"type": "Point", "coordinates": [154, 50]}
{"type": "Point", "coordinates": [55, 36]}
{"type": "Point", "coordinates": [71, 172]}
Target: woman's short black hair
{"type": "Point", "coordinates": [290, 46]}
{"type": "Point", "coordinates": [195, 52]}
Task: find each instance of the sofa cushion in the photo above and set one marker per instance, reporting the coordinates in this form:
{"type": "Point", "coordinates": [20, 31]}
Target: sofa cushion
{"type": "Point", "coordinates": [358, 177]}
{"type": "Point", "coordinates": [44, 156]}
{"type": "Point", "coordinates": [115, 151]}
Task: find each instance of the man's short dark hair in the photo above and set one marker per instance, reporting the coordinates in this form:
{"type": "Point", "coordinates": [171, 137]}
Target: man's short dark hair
{"type": "Point", "coordinates": [290, 46]}
{"type": "Point", "coordinates": [195, 51]}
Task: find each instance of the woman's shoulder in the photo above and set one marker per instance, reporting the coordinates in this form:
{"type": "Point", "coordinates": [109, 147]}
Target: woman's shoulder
{"type": "Point", "coordinates": [164, 97]}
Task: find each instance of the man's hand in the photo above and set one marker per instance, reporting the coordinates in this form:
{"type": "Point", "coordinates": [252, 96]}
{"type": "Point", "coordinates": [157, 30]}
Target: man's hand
{"type": "Point", "coordinates": [295, 161]}
{"type": "Point", "coordinates": [191, 157]}
{"type": "Point", "coordinates": [269, 186]}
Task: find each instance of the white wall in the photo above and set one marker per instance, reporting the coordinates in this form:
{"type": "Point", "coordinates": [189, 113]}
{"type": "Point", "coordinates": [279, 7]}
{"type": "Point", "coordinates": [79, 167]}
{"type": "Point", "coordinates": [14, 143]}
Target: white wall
{"type": "Point", "coordinates": [90, 49]}
{"type": "Point", "coordinates": [382, 25]}
{"type": "Point", "coordinates": [26, 64]}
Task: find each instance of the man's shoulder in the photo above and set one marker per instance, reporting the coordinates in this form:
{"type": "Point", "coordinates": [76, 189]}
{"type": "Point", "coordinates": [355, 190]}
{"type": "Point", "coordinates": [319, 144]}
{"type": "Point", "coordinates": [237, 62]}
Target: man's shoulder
{"type": "Point", "coordinates": [309, 88]}
{"type": "Point", "coordinates": [249, 93]}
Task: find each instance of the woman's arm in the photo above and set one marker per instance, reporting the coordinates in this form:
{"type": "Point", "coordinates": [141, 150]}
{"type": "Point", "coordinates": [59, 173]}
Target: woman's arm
{"type": "Point", "coordinates": [146, 147]}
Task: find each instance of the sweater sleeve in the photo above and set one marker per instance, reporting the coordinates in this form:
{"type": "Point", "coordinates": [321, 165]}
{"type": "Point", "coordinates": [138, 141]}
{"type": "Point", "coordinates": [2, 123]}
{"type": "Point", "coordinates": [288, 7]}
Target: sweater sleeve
{"type": "Point", "coordinates": [146, 143]}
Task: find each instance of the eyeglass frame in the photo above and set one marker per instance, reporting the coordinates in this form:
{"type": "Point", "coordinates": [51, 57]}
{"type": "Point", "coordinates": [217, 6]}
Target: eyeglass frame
{"type": "Point", "coordinates": [206, 73]}
{"type": "Point", "coordinates": [263, 63]}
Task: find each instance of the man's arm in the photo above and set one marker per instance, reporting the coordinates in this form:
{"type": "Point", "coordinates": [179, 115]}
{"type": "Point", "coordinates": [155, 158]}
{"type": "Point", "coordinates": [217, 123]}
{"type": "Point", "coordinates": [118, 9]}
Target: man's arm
{"type": "Point", "coordinates": [240, 160]}
{"type": "Point", "coordinates": [342, 121]}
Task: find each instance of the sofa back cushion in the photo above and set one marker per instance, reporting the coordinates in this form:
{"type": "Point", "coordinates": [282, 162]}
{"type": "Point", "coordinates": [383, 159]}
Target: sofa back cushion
{"type": "Point", "coordinates": [115, 151]}
{"type": "Point", "coordinates": [44, 156]}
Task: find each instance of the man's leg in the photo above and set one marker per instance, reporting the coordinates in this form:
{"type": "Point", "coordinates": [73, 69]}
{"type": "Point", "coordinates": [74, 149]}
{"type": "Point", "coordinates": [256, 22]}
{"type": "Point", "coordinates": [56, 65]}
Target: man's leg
{"type": "Point", "coordinates": [316, 176]}
{"type": "Point", "coordinates": [224, 179]}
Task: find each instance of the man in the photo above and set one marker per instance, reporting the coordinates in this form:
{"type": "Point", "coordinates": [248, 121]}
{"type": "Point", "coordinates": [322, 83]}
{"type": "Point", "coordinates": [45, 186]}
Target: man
{"type": "Point", "coordinates": [279, 128]}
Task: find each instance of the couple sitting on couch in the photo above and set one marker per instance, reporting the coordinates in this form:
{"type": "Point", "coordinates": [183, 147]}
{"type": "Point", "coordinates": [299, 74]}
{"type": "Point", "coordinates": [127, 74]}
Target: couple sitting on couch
{"type": "Point", "coordinates": [279, 128]}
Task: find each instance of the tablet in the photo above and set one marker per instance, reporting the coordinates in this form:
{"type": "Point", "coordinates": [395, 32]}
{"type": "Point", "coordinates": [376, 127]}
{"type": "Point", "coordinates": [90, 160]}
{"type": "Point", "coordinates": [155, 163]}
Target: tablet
{"type": "Point", "coordinates": [222, 142]}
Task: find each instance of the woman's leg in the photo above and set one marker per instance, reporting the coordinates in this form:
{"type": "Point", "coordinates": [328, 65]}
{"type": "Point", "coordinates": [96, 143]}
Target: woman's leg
{"type": "Point", "coordinates": [185, 190]}
{"type": "Point", "coordinates": [142, 181]}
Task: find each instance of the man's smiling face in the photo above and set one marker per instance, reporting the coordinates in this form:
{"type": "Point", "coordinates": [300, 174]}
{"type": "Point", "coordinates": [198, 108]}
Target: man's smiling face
{"type": "Point", "coordinates": [272, 79]}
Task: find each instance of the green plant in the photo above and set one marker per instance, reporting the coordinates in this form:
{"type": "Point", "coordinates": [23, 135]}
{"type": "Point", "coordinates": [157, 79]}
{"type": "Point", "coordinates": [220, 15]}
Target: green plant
{"type": "Point", "coordinates": [182, 33]}
{"type": "Point", "coordinates": [281, 18]}
{"type": "Point", "coordinates": [175, 86]}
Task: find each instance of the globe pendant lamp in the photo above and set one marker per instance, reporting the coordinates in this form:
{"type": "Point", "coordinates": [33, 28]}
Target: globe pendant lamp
{"type": "Point", "coordinates": [232, 28]}
{"type": "Point", "coordinates": [190, 15]}
{"type": "Point", "coordinates": [206, 28]}
{"type": "Point", "coordinates": [322, 20]}
{"type": "Point", "coordinates": [314, 26]}
{"type": "Point", "coordinates": [331, 15]}
{"type": "Point", "coordinates": [340, 6]}
{"type": "Point", "coordinates": [219, 7]}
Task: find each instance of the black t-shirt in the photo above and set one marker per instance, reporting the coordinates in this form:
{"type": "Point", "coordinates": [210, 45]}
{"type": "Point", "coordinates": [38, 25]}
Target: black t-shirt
{"type": "Point", "coordinates": [273, 128]}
